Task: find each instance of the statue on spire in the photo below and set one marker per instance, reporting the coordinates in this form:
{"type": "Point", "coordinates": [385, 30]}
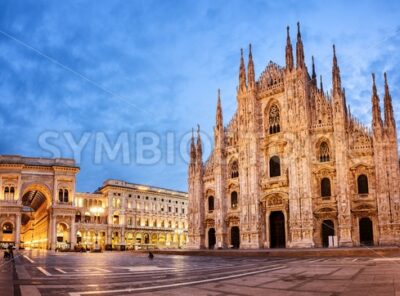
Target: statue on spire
{"type": "Point", "coordinates": [289, 52]}
{"type": "Point", "coordinates": [389, 116]}
{"type": "Point", "coordinates": [377, 123]}
{"type": "Point", "coordinates": [313, 75]}
{"type": "Point", "coordinates": [299, 49]}
{"type": "Point", "coordinates": [242, 74]}
{"type": "Point", "coordinates": [250, 70]}
{"type": "Point", "coordinates": [337, 85]}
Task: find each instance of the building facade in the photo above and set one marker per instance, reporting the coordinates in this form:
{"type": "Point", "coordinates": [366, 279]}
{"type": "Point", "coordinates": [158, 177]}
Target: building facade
{"type": "Point", "coordinates": [294, 167]}
{"type": "Point", "coordinates": [40, 208]}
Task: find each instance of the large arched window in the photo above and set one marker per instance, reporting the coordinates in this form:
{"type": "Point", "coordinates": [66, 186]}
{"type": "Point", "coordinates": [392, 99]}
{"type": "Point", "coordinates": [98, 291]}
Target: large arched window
{"type": "Point", "coordinates": [274, 120]}
{"type": "Point", "coordinates": [234, 169]}
{"type": "Point", "coordinates": [362, 184]}
{"type": "Point", "coordinates": [325, 188]}
{"type": "Point", "coordinates": [210, 204]}
{"type": "Point", "coordinates": [234, 200]}
{"type": "Point", "coordinates": [324, 152]}
{"type": "Point", "coordinates": [274, 166]}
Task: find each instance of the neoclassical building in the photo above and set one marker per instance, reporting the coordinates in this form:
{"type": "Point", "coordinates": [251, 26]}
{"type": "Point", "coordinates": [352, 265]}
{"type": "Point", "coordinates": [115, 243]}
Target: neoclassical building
{"type": "Point", "coordinates": [294, 167]}
{"type": "Point", "coordinates": [40, 208]}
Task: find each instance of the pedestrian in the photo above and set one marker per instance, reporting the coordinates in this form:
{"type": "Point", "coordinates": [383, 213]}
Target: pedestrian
{"type": "Point", "coordinates": [151, 256]}
{"type": "Point", "coordinates": [10, 251]}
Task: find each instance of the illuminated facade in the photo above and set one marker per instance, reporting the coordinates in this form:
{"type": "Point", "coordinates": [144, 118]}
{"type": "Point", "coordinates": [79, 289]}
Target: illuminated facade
{"type": "Point", "coordinates": [39, 208]}
{"type": "Point", "coordinates": [294, 167]}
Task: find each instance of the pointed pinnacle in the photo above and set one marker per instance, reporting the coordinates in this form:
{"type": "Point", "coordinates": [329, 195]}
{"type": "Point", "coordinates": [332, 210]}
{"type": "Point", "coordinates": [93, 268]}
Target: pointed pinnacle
{"type": "Point", "coordinates": [298, 30]}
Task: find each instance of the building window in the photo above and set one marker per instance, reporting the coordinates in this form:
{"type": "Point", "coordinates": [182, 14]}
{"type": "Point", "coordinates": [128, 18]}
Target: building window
{"type": "Point", "coordinates": [63, 195]}
{"type": "Point", "coordinates": [234, 169]}
{"type": "Point", "coordinates": [147, 222]}
{"type": "Point", "coordinates": [169, 209]}
{"type": "Point", "coordinates": [9, 193]}
{"type": "Point", "coordinates": [325, 188]}
{"type": "Point", "coordinates": [8, 228]}
{"type": "Point", "coordinates": [78, 217]}
{"type": "Point", "coordinates": [274, 120]}
{"type": "Point", "coordinates": [362, 184]}
{"type": "Point", "coordinates": [234, 200]}
{"type": "Point", "coordinates": [183, 211]}
{"type": "Point", "coordinates": [162, 224]}
{"type": "Point", "coordinates": [176, 210]}
{"type": "Point", "coordinates": [210, 204]}
{"type": "Point", "coordinates": [274, 166]}
{"type": "Point", "coordinates": [324, 152]}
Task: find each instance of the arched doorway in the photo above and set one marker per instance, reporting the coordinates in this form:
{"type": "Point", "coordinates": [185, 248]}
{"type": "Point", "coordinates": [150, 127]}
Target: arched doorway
{"type": "Point", "coordinates": [146, 238]}
{"type": "Point", "coordinates": [211, 238]}
{"type": "Point", "coordinates": [366, 232]}
{"type": "Point", "coordinates": [7, 233]}
{"type": "Point", "coordinates": [328, 229]}
{"type": "Point", "coordinates": [235, 237]}
{"type": "Point", "coordinates": [35, 218]}
{"type": "Point", "coordinates": [62, 234]}
{"type": "Point", "coordinates": [277, 230]}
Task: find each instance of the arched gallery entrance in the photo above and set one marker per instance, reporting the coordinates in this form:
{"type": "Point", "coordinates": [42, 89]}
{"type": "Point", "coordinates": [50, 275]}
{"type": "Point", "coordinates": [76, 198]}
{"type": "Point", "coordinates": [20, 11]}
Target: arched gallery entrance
{"type": "Point", "coordinates": [328, 229]}
{"type": "Point", "coordinates": [34, 220]}
{"type": "Point", "coordinates": [277, 230]}
{"type": "Point", "coordinates": [366, 232]}
{"type": "Point", "coordinates": [235, 237]}
{"type": "Point", "coordinates": [211, 238]}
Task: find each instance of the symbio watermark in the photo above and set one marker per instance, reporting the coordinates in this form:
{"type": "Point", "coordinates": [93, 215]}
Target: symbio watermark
{"type": "Point", "coordinates": [141, 147]}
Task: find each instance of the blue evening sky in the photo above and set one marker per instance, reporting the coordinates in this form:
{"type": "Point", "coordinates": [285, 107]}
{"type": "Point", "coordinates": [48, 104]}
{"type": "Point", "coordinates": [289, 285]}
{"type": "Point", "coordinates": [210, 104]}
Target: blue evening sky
{"type": "Point", "coordinates": [87, 67]}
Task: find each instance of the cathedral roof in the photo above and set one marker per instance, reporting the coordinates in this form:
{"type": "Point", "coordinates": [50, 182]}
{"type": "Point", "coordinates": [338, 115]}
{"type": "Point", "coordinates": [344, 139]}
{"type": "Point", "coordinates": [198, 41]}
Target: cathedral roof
{"type": "Point", "coordinates": [272, 75]}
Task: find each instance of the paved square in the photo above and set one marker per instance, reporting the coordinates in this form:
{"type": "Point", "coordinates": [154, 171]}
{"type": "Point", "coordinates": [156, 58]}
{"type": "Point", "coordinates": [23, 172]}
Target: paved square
{"type": "Point", "coordinates": [46, 273]}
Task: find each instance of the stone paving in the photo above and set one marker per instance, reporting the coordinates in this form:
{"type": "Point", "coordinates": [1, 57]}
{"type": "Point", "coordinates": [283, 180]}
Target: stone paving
{"type": "Point", "coordinates": [74, 274]}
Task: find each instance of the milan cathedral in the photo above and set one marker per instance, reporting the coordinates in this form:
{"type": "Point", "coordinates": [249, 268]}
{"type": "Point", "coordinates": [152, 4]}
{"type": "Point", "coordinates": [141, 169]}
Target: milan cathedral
{"type": "Point", "coordinates": [294, 167]}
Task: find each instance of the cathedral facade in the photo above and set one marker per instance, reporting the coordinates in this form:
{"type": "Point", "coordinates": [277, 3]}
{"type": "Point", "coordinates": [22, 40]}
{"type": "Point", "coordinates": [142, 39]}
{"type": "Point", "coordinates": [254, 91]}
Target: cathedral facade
{"type": "Point", "coordinates": [294, 168]}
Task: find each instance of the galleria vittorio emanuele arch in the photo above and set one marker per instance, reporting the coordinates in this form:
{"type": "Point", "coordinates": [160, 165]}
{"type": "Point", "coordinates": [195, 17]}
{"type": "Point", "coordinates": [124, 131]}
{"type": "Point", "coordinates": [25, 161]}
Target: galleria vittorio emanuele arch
{"type": "Point", "coordinates": [40, 208]}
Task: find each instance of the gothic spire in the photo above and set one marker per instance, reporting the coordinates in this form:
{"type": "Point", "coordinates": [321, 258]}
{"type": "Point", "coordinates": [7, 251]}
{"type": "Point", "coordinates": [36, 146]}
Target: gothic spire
{"type": "Point", "coordinates": [321, 86]}
{"type": "Point", "coordinates": [313, 75]}
{"type": "Point", "coordinates": [299, 49]}
{"type": "Point", "coordinates": [376, 109]}
{"type": "Point", "coordinates": [218, 120]}
{"type": "Point", "coordinates": [289, 52]}
{"type": "Point", "coordinates": [389, 117]}
{"type": "Point", "coordinates": [192, 149]}
{"type": "Point", "coordinates": [250, 70]}
{"type": "Point", "coordinates": [337, 85]}
{"type": "Point", "coordinates": [242, 73]}
{"type": "Point", "coordinates": [199, 150]}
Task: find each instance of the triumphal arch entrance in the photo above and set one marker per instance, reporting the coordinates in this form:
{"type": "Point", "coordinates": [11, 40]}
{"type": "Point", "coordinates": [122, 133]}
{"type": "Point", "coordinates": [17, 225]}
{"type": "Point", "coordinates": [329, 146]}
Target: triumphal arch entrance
{"type": "Point", "coordinates": [36, 201]}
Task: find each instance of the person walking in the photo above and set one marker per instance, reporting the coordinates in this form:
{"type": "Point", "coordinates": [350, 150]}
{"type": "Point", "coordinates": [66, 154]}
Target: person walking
{"type": "Point", "coordinates": [10, 251]}
{"type": "Point", "coordinates": [151, 256]}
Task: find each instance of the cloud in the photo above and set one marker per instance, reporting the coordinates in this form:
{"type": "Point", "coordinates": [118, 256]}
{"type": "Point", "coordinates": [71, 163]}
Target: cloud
{"type": "Point", "coordinates": [156, 66]}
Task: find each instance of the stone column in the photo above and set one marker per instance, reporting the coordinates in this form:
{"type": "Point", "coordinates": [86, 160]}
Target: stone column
{"type": "Point", "coordinates": [18, 230]}
{"type": "Point", "coordinates": [73, 233]}
{"type": "Point", "coordinates": [53, 233]}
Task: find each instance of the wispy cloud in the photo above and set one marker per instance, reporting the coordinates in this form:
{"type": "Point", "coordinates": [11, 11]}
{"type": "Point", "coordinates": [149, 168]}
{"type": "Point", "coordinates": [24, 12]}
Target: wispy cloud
{"type": "Point", "coordinates": [166, 61]}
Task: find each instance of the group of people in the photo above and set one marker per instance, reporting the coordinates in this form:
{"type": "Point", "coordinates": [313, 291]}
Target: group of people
{"type": "Point", "coordinates": [8, 252]}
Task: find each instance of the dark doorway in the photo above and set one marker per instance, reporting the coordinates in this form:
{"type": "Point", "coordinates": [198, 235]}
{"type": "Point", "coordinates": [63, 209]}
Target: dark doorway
{"type": "Point", "coordinates": [277, 229]}
{"type": "Point", "coordinates": [328, 229]}
{"type": "Point", "coordinates": [235, 237]}
{"type": "Point", "coordinates": [366, 232]}
{"type": "Point", "coordinates": [211, 238]}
